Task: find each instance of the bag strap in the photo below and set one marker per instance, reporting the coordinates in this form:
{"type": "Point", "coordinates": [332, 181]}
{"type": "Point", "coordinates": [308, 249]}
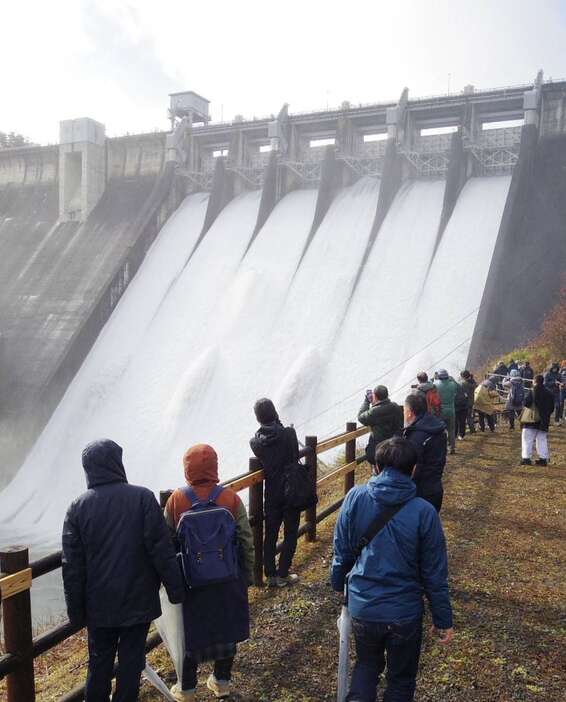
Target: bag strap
{"type": "Point", "coordinates": [375, 527]}
{"type": "Point", "coordinates": [215, 494]}
{"type": "Point", "coordinates": [191, 495]}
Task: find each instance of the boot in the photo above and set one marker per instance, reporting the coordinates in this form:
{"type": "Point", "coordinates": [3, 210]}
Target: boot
{"type": "Point", "coordinates": [221, 688]}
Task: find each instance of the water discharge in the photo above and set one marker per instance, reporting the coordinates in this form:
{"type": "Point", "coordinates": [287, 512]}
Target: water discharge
{"type": "Point", "coordinates": [192, 345]}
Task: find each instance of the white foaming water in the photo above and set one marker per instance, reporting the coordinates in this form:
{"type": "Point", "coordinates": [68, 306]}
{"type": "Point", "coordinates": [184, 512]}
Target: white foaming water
{"type": "Point", "coordinates": [377, 329]}
{"type": "Point", "coordinates": [449, 304]}
{"type": "Point", "coordinates": [189, 348]}
{"type": "Point", "coordinates": [151, 342]}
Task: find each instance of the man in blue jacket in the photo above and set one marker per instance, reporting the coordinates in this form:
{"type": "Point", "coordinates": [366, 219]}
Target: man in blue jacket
{"type": "Point", "coordinates": [386, 582]}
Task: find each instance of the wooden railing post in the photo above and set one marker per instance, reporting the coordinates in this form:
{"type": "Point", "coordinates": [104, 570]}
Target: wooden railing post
{"type": "Point", "coordinates": [350, 478]}
{"type": "Point", "coordinates": [18, 635]}
{"type": "Point", "coordinates": [256, 521]}
{"type": "Point", "coordinates": [312, 463]}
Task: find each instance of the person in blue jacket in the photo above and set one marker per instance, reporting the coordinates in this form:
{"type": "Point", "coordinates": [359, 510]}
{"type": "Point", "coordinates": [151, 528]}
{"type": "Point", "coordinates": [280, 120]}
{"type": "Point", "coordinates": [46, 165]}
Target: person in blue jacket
{"type": "Point", "coordinates": [403, 563]}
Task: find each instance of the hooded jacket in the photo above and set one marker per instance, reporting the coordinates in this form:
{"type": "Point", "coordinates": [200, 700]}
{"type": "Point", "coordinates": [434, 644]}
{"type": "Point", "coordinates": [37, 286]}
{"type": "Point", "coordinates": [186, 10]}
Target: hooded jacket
{"type": "Point", "coordinates": [116, 547]}
{"type": "Point", "coordinates": [552, 380]}
{"type": "Point", "coordinates": [428, 435]}
{"type": "Point", "coordinates": [447, 389]}
{"type": "Point", "coordinates": [276, 447]}
{"type": "Point", "coordinates": [544, 402]}
{"type": "Point", "coordinates": [385, 419]}
{"type": "Point", "coordinates": [516, 388]}
{"type": "Point", "coordinates": [217, 614]}
{"type": "Point", "coordinates": [486, 398]}
{"type": "Point", "coordinates": [406, 560]}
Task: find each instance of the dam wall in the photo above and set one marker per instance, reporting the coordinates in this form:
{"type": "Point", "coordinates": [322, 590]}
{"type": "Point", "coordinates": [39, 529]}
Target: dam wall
{"type": "Point", "coordinates": [77, 219]}
{"type": "Point", "coordinates": [61, 276]}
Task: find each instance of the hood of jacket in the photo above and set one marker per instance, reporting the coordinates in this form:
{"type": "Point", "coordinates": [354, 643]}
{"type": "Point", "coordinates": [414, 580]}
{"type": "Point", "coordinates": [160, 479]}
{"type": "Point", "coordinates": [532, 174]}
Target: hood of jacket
{"type": "Point", "coordinates": [428, 423]}
{"type": "Point", "coordinates": [102, 463]}
{"type": "Point", "coordinates": [201, 465]}
{"type": "Point", "coordinates": [425, 387]}
{"type": "Point", "coordinates": [268, 434]}
{"type": "Point", "coordinates": [391, 487]}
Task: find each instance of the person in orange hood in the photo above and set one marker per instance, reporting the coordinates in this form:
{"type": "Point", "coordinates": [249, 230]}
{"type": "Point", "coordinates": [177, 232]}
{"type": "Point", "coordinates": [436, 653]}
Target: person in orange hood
{"type": "Point", "coordinates": [216, 616]}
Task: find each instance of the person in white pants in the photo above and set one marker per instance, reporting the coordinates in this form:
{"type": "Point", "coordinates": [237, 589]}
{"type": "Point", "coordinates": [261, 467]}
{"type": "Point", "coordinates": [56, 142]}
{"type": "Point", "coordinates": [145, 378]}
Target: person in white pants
{"type": "Point", "coordinates": [536, 433]}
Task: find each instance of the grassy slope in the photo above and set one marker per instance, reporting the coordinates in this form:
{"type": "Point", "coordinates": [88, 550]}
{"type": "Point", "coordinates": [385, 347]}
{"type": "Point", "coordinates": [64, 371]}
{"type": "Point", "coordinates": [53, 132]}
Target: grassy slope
{"type": "Point", "coordinates": [505, 530]}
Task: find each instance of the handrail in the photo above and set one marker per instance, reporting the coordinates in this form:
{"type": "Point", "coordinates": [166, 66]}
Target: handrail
{"type": "Point", "coordinates": [15, 584]}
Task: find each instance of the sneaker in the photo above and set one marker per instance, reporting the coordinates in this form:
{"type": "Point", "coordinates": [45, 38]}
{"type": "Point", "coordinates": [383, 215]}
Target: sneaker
{"type": "Point", "coordinates": [221, 688]}
{"type": "Point", "coordinates": [526, 462]}
{"type": "Point", "coordinates": [274, 581]}
{"type": "Point", "coordinates": [541, 462]}
{"type": "Point", "coordinates": [460, 438]}
{"type": "Point", "coordinates": [182, 695]}
{"type": "Point", "coordinates": [291, 579]}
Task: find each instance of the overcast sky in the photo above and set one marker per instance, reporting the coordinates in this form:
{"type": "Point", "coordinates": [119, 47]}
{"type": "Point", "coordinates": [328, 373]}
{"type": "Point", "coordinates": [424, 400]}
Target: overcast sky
{"type": "Point", "coordinates": [117, 60]}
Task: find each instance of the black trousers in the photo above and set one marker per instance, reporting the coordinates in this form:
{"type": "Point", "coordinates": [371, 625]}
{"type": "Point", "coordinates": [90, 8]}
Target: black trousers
{"type": "Point", "coordinates": [222, 671]}
{"type": "Point", "coordinates": [482, 416]}
{"type": "Point", "coordinates": [103, 644]}
{"type": "Point", "coordinates": [275, 516]}
{"type": "Point", "coordinates": [461, 421]}
{"type": "Point", "coordinates": [435, 499]}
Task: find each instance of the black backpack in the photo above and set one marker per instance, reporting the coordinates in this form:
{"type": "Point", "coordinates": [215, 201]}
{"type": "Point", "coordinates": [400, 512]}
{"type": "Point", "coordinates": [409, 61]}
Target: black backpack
{"type": "Point", "coordinates": [298, 488]}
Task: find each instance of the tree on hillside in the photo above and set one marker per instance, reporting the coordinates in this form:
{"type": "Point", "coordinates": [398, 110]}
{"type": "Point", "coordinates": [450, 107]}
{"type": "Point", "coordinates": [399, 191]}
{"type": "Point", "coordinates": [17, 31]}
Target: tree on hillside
{"type": "Point", "coordinates": [553, 331]}
{"type": "Point", "coordinates": [11, 139]}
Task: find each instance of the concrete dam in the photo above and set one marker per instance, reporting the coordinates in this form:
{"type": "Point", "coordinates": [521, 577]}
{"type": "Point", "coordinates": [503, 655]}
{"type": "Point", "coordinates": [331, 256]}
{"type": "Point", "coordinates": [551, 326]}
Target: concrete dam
{"type": "Point", "coordinates": [153, 286]}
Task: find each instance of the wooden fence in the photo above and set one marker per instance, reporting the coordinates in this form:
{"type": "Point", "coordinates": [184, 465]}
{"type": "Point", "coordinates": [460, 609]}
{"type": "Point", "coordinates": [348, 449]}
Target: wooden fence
{"type": "Point", "coordinates": [17, 573]}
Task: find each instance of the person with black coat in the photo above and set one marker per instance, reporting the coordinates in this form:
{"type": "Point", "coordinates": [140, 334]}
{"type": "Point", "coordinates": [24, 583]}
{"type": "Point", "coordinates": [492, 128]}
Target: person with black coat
{"type": "Point", "coordinates": [277, 447]}
{"type": "Point", "coordinates": [537, 432]}
{"type": "Point", "coordinates": [116, 551]}
{"type": "Point", "coordinates": [428, 435]}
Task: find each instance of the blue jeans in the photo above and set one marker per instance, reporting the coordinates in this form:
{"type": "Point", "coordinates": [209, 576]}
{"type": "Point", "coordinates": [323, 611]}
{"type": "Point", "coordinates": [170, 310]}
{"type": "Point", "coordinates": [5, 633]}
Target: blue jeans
{"type": "Point", "coordinates": [397, 642]}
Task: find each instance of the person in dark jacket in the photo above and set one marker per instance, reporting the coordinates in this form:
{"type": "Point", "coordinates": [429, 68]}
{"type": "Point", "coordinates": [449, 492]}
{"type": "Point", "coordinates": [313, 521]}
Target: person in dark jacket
{"type": "Point", "coordinates": [276, 447]}
{"type": "Point", "coordinates": [527, 373]}
{"type": "Point", "coordinates": [428, 435]}
{"type": "Point", "coordinates": [116, 551]}
{"type": "Point", "coordinates": [387, 580]}
{"type": "Point", "coordinates": [216, 617]}
{"type": "Point", "coordinates": [514, 405]}
{"type": "Point", "coordinates": [537, 432]}
{"type": "Point", "coordinates": [384, 417]}
{"type": "Point", "coordinates": [552, 384]}
{"type": "Point", "coordinates": [469, 385]}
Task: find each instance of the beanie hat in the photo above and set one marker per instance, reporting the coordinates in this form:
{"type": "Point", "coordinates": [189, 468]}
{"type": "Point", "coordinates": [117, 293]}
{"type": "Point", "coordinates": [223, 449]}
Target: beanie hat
{"type": "Point", "coordinates": [201, 465]}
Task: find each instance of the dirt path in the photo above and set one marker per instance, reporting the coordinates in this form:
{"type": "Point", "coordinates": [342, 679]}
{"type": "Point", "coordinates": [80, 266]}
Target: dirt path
{"type": "Point", "coordinates": [506, 530]}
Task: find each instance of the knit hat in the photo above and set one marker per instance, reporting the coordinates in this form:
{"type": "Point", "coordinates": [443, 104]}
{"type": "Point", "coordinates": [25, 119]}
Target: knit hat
{"type": "Point", "coordinates": [201, 465]}
{"type": "Point", "coordinates": [443, 374]}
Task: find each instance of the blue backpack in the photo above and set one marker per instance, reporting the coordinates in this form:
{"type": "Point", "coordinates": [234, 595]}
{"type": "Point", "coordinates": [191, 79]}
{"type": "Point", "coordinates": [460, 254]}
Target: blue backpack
{"type": "Point", "coordinates": [207, 538]}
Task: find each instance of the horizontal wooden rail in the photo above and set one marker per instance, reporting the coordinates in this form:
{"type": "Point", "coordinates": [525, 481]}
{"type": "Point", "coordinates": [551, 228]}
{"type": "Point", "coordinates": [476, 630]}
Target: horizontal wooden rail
{"type": "Point", "coordinates": [11, 585]}
{"type": "Point", "coordinates": [341, 439]}
{"type": "Point", "coordinates": [17, 664]}
{"type": "Point", "coordinates": [343, 470]}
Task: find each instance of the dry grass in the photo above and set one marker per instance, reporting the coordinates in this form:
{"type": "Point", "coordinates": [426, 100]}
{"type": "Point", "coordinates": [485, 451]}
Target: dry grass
{"type": "Point", "coordinates": [505, 530]}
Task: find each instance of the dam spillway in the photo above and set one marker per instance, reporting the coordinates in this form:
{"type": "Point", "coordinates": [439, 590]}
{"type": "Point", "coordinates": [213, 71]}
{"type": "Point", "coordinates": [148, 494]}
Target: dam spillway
{"type": "Point", "coordinates": [278, 284]}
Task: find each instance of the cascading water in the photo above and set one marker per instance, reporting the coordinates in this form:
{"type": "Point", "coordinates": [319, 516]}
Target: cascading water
{"type": "Point", "coordinates": [192, 344]}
